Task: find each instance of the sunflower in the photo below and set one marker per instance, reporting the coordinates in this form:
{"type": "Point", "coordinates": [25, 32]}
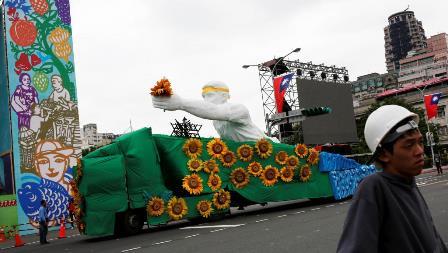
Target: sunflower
{"type": "Point", "coordinates": [221, 199]}
{"type": "Point", "coordinates": [162, 88]}
{"type": "Point", "coordinates": [177, 208]}
{"type": "Point", "coordinates": [155, 206]}
{"type": "Point", "coordinates": [216, 148]}
{"type": "Point", "coordinates": [192, 184]}
{"type": "Point", "coordinates": [301, 150]}
{"type": "Point", "coordinates": [239, 178]}
{"type": "Point", "coordinates": [270, 175]}
{"type": "Point", "coordinates": [192, 148]}
{"type": "Point", "coordinates": [281, 157]}
{"type": "Point", "coordinates": [305, 173]}
{"type": "Point", "coordinates": [210, 166]}
{"type": "Point", "coordinates": [313, 157]}
{"type": "Point", "coordinates": [194, 165]}
{"type": "Point", "coordinates": [263, 148]}
{"type": "Point", "coordinates": [245, 152]}
{"type": "Point", "coordinates": [255, 169]}
{"type": "Point", "coordinates": [204, 207]}
{"type": "Point", "coordinates": [292, 161]}
{"type": "Point", "coordinates": [286, 174]}
{"type": "Point", "coordinates": [214, 181]}
{"type": "Point", "coordinates": [228, 159]}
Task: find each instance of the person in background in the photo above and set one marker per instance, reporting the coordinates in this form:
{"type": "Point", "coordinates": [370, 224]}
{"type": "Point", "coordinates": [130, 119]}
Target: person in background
{"type": "Point", "coordinates": [71, 211]}
{"type": "Point", "coordinates": [438, 161]}
{"type": "Point", "coordinates": [388, 213]}
{"type": "Point", "coordinates": [43, 222]}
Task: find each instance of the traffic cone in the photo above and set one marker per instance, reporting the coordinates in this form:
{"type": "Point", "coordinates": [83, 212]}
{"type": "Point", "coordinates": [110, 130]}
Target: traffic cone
{"type": "Point", "coordinates": [2, 234]}
{"type": "Point", "coordinates": [18, 240]}
{"type": "Point", "coordinates": [62, 230]}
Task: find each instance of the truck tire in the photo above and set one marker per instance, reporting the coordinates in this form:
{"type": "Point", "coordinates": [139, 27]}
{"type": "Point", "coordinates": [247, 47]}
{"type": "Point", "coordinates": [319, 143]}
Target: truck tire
{"type": "Point", "coordinates": [133, 220]}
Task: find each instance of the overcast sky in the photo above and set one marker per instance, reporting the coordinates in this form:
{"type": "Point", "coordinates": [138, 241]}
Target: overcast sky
{"type": "Point", "coordinates": [123, 47]}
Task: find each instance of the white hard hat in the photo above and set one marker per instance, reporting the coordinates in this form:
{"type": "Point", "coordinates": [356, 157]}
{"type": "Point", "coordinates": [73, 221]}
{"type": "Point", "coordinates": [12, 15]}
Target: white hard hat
{"type": "Point", "coordinates": [381, 121]}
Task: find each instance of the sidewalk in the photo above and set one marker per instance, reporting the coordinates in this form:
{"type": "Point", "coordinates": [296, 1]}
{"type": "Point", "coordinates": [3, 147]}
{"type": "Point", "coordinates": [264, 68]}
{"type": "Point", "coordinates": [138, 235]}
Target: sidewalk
{"type": "Point", "coordinates": [434, 170]}
{"type": "Point", "coordinates": [33, 239]}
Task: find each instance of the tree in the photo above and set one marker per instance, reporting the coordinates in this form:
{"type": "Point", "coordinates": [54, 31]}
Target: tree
{"type": "Point", "coordinates": [361, 122]}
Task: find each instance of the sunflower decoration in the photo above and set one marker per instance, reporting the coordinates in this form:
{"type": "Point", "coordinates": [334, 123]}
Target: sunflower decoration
{"type": "Point", "coordinates": [292, 161]}
{"type": "Point", "coordinates": [228, 159]}
{"type": "Point", "coordinates": [204, 207]}
{"type": "Point", "coordinates": [214, 181]}
{"type": "Point", "coordinates": [281, 157]}
{"type": "Point", "coordinates": [177, 208]}
{"type": "Point", "coordinates": [192, 148]}
{"type": "Point", "coordinates": [239, 178]}
{"type": "Point", "coordinates": [270, 175]}
{"type": "Point", "coordinates": [245, 152]}
{"type": "Point", "coordinates": [155, 206]}
{"type": "Point", "coordinates": [286, 174]}
{"type": "Point", "coordinates": [192, 184]}
{"type": "Point", "coordinates": [305, 173]}
{"type": "Point", "coordinates": [313, 157]}
{"type": "Point", "coordinates": [263, 148]}
{"type": "Point", "coordinates": [255, 169]}
{"type": "Point", "coordinates": [221, 199]}
{"type": "Point", "coordinates": [194, 165]}
{"type": "Point", "coordinates": [216, 148]}
{"type": "Point", "coordinates": [162, 88]}
{"type": "Point", "coordinates": [210, 166]}
{"type": "Point", "coordinates": [301, 150]}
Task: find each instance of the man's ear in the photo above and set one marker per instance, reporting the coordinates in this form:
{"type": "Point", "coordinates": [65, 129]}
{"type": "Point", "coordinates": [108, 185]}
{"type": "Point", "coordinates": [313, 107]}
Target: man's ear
{"type": "Point", "coordinates": [384, 156]}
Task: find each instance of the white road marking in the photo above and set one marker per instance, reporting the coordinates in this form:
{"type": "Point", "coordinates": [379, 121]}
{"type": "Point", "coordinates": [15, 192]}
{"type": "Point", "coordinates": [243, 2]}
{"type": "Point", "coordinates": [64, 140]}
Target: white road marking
{"type": "Point", "coordinates": [435, 182]}
{"type": "Point", "coordinates": [217, 230]}
{"type": "Point", "coordinates": [189, 236]}
{"type": "Point", "coordinates": [157, 243]}
{"type": "Point", "coordinates": [329, 206]}
{"type": "Point", "coordinates": [300, 212]}
{"type": "Point", "coordinates": [314, 209]}
{"type": "Point", "coordinates": [281, 216]}
{"type": "Point", "coordinates": [216, 226]}
{"type": "Point", "coordinates": [126, 250]}
{"type": "Point", "coordinates": [261, 220]}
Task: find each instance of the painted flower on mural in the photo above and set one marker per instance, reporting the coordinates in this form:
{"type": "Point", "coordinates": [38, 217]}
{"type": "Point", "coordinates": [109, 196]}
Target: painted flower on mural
{"type": "Point", "coordinates": [287, 174]}
{"type": "Point", "coordinates": [281, 157]}
{"type": "Point", "coordinates": [305, 173]}
{"type": "Point", "coordinates": [228, 159]}
{"type": "Point", "coordinates": [221, 199]}
{"type": "Point", "coordinates": [214, 182]}
{"type": "Point", "coordinates": [269, 176]}
{"type": "Point", "coordinates": [216, 148]}
{"type": "Point", "coordinates": [313, 157]}
{"type": "Point", "coordinates": [192, 184]}
{"type": "Point", "coordinates": [204, 207]}
{"type": "Point", "coordinates": [192, 148]}
{"type": "Point", "coordinates": [155, 206]}
{"type": "Point", "coordinates": [39, 6]}
{"type": "Point", "coordinates": [162, 88]}
{"type": "Point", "coordinates": [292, 161]}
{"type": "Point", "coordinates": [177, 208]}
{"type": "Point", "coordinates": [263, 148]}
{"type": "Point", "coordinates": [210, 166]}
{"type": "Point", "coordinates": [194, 165]}
{"type": "Point", "coordinates": [301, 150]}
{"type": "Point", "coordinates": [239, 177]}
{"type": "Point", "coordinates": [245, 153]}
{"type": "Point", "coordinates": [255, 169]}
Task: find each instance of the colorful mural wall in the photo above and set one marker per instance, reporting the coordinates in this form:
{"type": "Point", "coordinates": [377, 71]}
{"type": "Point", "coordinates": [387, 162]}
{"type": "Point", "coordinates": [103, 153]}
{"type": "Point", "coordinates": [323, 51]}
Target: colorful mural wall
{"type": "Point", "coordinates": [46, 139]}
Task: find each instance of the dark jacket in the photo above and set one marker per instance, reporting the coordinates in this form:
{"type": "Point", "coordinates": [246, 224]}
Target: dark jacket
{"type": "Point", "coordinates": [388, 214]}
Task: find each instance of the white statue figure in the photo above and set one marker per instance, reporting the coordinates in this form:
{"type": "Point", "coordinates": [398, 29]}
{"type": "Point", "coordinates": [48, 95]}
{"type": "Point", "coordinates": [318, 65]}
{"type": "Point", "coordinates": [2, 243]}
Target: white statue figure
{"type": "Point", "coordinates": [231, 121]}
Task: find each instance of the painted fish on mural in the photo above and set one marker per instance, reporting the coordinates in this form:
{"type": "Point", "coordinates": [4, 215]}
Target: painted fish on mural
{"type": "Point", "coordinates": [56, 196]}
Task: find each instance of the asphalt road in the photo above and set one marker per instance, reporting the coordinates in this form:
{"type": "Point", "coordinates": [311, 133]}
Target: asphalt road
{"type": "Point", "coordinates": [301, 226]}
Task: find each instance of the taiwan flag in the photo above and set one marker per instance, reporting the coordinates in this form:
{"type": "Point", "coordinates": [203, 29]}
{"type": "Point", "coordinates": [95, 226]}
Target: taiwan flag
{"type": "Point", "coordinates": [281, 84]}
{"type": "Point", "coordinates": [431, 104]}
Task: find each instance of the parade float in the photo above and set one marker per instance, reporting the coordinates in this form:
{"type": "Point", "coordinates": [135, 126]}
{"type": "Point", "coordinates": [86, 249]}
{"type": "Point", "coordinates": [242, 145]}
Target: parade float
{"type": "Point", "coordinates": [145, 177]}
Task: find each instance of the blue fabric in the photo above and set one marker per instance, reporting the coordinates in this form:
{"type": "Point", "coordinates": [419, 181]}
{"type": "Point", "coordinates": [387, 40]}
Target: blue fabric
{"type": "Point", "coordinates": [331, 162]}
{"type": "Point", "coordinates": [345, 182]}
{"type": "Point", "coordinates": [42, 214]}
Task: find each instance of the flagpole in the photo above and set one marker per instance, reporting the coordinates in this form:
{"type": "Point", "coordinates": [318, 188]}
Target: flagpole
{"type": "Point", "coordinates": [429, 136]}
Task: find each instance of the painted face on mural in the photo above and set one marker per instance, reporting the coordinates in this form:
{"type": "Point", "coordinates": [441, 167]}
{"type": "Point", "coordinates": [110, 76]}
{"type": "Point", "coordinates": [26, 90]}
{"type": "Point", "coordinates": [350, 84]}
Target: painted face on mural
{"type": "Point", "coordinates": [26, 80]}
{"type": "Point", "coordinates": [52, 166]}
{"type": "Point", "coordinates": [56, 81]}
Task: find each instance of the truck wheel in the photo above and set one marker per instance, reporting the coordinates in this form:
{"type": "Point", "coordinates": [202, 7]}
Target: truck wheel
{"type": "Point", "coordinates": [132, 222]}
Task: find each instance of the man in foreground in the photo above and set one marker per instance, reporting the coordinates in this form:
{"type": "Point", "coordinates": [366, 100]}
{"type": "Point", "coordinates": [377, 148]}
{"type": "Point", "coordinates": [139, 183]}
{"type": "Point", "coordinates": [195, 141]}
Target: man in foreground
{"type": "Point", "coordinates": [388, 212]}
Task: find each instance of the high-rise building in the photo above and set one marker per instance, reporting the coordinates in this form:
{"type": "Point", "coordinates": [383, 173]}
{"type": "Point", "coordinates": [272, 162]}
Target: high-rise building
{"type": "Point", "coordinates": [403, 34]}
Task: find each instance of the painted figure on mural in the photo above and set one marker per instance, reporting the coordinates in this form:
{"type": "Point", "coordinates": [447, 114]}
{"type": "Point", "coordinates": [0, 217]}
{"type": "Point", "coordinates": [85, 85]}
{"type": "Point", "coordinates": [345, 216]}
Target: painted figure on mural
{"type": "Point", "coordinates": [59, 92]}
{"type": "Point", "coordinates": [37, 118]}
{"type": "Point", "coordinates": [22, 99]}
